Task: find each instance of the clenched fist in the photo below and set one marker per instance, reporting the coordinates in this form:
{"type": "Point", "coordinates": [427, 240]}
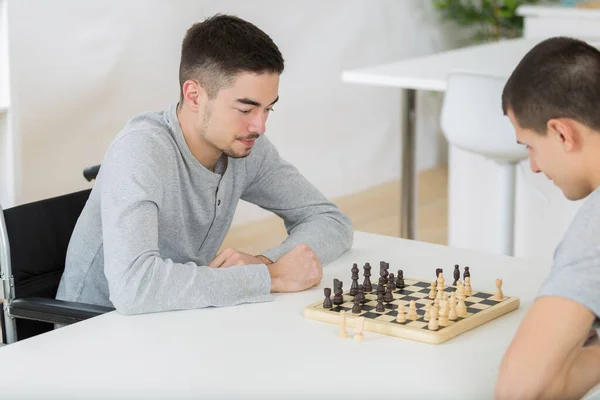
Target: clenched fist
{"type": "Point", "coordinates": [295, 271]}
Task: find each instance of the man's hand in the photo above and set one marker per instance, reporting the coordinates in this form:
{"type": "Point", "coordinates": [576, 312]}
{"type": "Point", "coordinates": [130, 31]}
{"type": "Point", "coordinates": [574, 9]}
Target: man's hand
{"type": "Point", "coordinates": [295, 271]}
{"type": "Point", "coordinates": [229, 257]}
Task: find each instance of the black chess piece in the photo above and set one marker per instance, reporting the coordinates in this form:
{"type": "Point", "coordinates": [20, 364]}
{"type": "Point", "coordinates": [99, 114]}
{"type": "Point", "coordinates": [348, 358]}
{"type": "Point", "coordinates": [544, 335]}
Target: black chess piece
{"type": "Point", "coordinates": [356, 308]}
{"type": "Point", "coordinates": [392, 281]}
{"type": "Point", "coordinates": [367, 286]}
{"type": "Point", "coordinates": [467, 273]}
{"type": "Point", "coordinates": [400, 280]}
{"type": "Point", "coordinates": [380, 307]}
{"type": "Point", "coordinates": [338, 290]}
{"type": "Point", "coordinates": [383, 272]}
{"type": "Point", "coordinates": [361, 294]}
{"type": "Point", "coordinates": [327, 302]}
{"type": "Point", "coordinates": [456, 275]}
{"type": "Point", "coordinates": [381, 285]}
{"type": "Point", "coordinates": [354, 286]}
{"type": "Point", "coordinates": [389, 292]}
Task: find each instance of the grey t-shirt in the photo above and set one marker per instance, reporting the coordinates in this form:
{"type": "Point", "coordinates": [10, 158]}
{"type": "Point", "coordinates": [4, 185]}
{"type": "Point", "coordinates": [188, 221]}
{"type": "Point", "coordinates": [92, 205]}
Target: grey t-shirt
{"type": "Point", "coordinates": [575, 273]}
{"type": "Point", "coordinates": [156, 217]}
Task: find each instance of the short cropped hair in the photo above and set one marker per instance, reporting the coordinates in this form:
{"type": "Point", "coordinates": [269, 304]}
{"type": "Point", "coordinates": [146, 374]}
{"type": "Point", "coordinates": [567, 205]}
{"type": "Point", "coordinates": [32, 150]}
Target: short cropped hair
{"type": "Point", "coordinates": [217, 49]}
{"type": "Point", "coordinates": [558, 78]}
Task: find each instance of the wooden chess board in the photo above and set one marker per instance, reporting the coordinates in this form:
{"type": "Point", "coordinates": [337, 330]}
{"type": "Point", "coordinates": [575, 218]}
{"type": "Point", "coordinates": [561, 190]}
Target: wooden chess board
{"type": "Point", "coordinates": [480, 309]}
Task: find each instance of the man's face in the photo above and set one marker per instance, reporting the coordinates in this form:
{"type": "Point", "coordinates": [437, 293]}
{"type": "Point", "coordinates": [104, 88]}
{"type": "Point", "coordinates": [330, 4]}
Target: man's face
{"type": "Point", "coordinates": [237, 116]}
{"type": "Point", "coordinates": [553, 154]}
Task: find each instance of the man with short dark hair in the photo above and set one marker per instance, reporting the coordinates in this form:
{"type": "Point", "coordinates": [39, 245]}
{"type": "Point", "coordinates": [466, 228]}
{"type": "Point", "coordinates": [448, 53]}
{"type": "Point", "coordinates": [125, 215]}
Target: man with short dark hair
{"type": "Point", "coordinates": [147, 240]}
{"type": "Point", "coordinates": [553, 100]}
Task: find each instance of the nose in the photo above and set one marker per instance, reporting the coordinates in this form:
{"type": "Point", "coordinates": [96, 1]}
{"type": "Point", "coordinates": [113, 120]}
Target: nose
{"type": "Point", "coordinates": [258, 124]}
{"type": "Point", "coordinates": [534, 166]}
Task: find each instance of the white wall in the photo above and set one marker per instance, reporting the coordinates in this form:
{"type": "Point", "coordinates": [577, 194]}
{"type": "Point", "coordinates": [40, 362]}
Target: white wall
{"type": "Point", "coordinates": [80, 70]}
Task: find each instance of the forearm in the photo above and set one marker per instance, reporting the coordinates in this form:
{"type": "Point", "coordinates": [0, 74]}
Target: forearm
{"type": "Point", "coordinates": [155, 285]}
{"type": "Point", "coordinates": [328, 234]}
{"type": "Point", "coordinates": [577, 379]}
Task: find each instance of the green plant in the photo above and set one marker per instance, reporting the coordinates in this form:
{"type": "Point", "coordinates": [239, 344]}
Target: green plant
{"type": "Point", "coordinates": [492, 19]}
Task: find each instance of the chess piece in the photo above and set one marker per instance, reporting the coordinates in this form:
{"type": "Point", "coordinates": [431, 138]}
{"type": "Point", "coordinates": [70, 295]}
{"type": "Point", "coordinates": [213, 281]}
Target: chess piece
{"type": "Point", "coordinates": [468, 289]}
{"type": "Point", "coordinates": [380, 307]}
{"type": "Point", "coordinates": [441, 281]}
{"type": "Point", "coordinates": [432, 292]}
{"type": "Point", "coordinates": [400, 280]}
{"type": "Point", "coordinates": [401, 316]}
{"type": "Point", "coordinates": [452, 315]}
{"type": "Point", "coordinates": [433, 321]}
{"type": "Point", "coordinates": [412, 310]}
{"type": "Point", "coordinates": [438, 271]}
{"type": "Point", "coordinates": [343, 333]}
{"type": "Point", "coordinates": [389, 292]}
{"type": "Point", "coordinates": [361, 294]}
{"type": "Point", "coordinates": [427, 315]}
{"type": "Point", "coordinates": [456, 274]}
{"type": "Point", "coordinates": [358, 335]}
{"type": "Point", "coordinates": [381, 285]}
{"type": "Point", "coordinates": [354, 285]}
{"type": "Point", "coordinates": [338, 291]}
{"type": "Point", "coordinates": [498, 296]}
{"type": "Point", "coordinates": [356, 308]}
{"type": "Point", "coordinates": [443, 316]}
{"type": "Point", "coordinates": [327, 302]}
{"type": "Point", "coordinates": [467, 273]}
{"type": "Point", "coordinates": [367, 286]}
{"type": "Point", "coordinates": [461, 307]}
{"type": "Point", "coordinates": [383, 272]}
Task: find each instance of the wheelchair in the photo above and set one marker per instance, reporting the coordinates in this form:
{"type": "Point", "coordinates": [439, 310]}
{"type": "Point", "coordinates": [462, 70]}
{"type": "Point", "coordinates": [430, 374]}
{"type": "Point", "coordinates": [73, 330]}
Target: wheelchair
{"type": "Point", "coordinates": [33, 246]}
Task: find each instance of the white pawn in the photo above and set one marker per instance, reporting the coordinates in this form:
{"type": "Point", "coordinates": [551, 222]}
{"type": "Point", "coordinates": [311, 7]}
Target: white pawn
{"type": "Point", "coordinates": [343, 333]}
{"type": "Point", "coordinates": [452, 315]}
{"type": "Point", "coordinates": [432, 292]}
{"type": "Point", "coordinates": [498, 296]}
{"type": "Point", "coordinates": [401, 317]}
{"type": "Point", "coordinates": [433, 322]}
{"type": "Point", "coordinates": [461, 308]}
{"type": "Point", "coordinates": [468, 289]}
{"type": "Point", "coordinates": [444, 312]}
{"type": "Point", "coordinates": [440, 281]}
{"type": "Point", "coordinates": [412, 310]}
{"type": "Point", "coordinates": [427, 315]}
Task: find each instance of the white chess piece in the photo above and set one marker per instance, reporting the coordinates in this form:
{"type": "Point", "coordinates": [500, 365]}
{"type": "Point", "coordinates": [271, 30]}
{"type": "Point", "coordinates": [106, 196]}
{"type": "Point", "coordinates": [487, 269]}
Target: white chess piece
{"type": "Point", "coordinates": [433, 322]}
{"type": "Point", "coordinates": [343, 333]}
{"type": "Point", "coordinates": [468, 289]}
{"type": "Point", "coordinates": [412, 310]}
{"type": "Point", "coordinates": [452, 315]}
{"type": "Point", "coordinates": [427, 315]}
{"type": "Point", "coordinates": [498, 296]}
{"type": "Point", "coordinates": [401, 316]}
{"type": "Point", "coordinates": [461, 307]}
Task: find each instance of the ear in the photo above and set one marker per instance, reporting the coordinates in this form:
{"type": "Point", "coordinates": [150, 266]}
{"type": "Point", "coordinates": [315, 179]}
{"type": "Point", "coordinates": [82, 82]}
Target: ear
{"type": "Point", "coordinates": [564, 130]}
{"type": "Point", "coordinates": [194, 94]}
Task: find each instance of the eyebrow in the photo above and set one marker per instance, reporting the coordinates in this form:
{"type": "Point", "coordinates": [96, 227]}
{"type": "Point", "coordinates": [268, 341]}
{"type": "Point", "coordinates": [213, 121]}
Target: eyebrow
{"type": "Point", "coordinates": [251, 102]}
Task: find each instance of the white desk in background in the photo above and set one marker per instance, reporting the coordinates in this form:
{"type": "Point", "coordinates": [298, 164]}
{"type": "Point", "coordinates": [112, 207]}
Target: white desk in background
{"type": "Point", "coordinates": [270, 350]}
{"type": "Point", "coordinates": [429, 73]}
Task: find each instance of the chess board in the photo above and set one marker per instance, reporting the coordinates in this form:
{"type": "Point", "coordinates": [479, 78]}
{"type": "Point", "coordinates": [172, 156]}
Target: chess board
{"type": "Point", "coordinates": [480, 309]}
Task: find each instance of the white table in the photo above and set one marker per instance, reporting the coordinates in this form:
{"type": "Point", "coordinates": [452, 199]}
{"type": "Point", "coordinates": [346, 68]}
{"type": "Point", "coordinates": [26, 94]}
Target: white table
{"type": "Point", "coordinates": [270, 350]}
{"type": "Point", "coordinates": [429, 73]}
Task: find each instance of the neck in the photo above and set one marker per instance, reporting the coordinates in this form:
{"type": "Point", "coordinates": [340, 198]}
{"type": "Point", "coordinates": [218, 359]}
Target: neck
{"type": "Point", "coordinates": [593, 158]}
{"type": "Point", "coordinates": [204, 152]}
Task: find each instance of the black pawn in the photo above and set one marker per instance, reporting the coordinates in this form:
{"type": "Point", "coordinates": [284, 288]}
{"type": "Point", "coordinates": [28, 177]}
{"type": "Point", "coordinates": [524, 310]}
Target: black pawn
{"type": "Point", "coordinates": [400, 280]}
{"type": "Point", "coordinates": [356, 308]}
{"type": "Point", "coordinates": [389, 292]}
{"type": "Point", "coordinates": [466, 273]}
{"type": "Point", "coordinates": [368, 288]}
{"type": "Point", "coordinates": [380, 307]}
{"type": "Point", "coordinates": [456, 274]}
{"type": "Point", "coordinates": [361, 294]}
{"type": "Point", "coordinates": [327, 302]}
{"type": "Point", "coordinates": [381, 285]}
{"type": "Point", "coordinates": [338, 291]}
{"type": "Point", "coordinates": [354, 286]}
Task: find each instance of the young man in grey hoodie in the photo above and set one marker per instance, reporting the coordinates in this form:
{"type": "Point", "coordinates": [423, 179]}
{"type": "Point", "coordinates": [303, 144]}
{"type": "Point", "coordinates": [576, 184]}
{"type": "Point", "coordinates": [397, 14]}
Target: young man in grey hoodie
{"type": "Point", "coordinates": [147, 239]}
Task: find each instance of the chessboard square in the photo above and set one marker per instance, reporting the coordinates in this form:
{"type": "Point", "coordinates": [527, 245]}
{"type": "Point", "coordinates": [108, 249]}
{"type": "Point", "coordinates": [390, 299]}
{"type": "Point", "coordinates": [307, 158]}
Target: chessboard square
{"type": "Point", "coordinates": [366, 307]}
{"type": "Point", "coordinates": [392, 313]}
{"type": "Point", "coordinates": [481, 295]}
{"type": "Point", "coordinates": [398, 302]}
{"type": "Point", "coordinates": [473, 299]}
{"type": "Point", "coordinates": [371, 314]}
{"type": "Point", "coordinates": [449, 289]}
{"type": "Point", "coordinates": [420, 295]}
{"type": "Point", "coordinates": [489, 302]}
{"type": "Point", "coordinates": [391, 306]}
{"type": "Point", "coordinates": [410, 282]}
{"type": "Point", "coordinates": [445, 324]}
{"type": "Point", "coordinates": [385, 318]}
{"type": "Point", "coordinates": [422, 284]}
{"type": "Point", "coordinates": [416, 324]}
{"type": "Point", "coordinates": [479, 306]}
{"type": "Point", "coordinates": [426, 291]}
{"type": "Point", "coordinates": [412, 288]}
{"type": "Point", "coordinates": [340, 308]}
{"type": "Point", "coordinates": [371, 303]}
{"type": "Point", "coordinates": [423, 302]}
{"type": "Point", "coordinates": [409, 298]}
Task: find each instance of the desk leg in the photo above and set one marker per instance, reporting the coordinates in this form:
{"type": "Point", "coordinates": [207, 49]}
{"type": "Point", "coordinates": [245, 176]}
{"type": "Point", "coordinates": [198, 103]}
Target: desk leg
{"type": "Point", "coordinates": [408, 193]}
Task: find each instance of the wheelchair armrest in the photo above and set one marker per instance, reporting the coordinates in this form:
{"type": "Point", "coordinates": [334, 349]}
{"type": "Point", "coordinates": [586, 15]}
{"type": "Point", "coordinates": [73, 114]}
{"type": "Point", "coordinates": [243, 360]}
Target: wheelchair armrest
{"type": "Point", "coordinates": [54, 311]}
